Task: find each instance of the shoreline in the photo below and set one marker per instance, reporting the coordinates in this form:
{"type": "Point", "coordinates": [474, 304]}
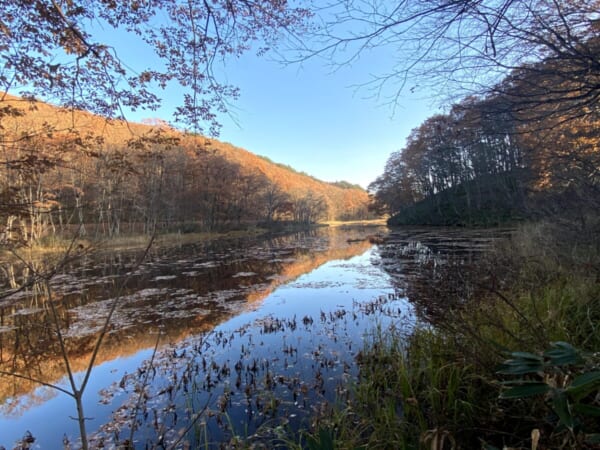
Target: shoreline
{"type": "Point", "coordinates": [56, 245]}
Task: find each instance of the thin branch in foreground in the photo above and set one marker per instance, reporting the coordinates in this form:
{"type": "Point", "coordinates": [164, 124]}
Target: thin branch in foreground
{"type": "Point", "coordinates": [35, 380]}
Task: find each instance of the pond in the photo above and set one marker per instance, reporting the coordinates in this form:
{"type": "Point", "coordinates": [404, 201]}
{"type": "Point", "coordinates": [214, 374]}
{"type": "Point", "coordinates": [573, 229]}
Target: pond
{"type": "Point", "coordinates": [210, 342]}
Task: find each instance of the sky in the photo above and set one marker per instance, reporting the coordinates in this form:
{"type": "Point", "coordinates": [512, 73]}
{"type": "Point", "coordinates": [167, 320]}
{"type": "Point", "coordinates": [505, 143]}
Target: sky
{"type": "Point", "coordinates": [308, 116]}
{"type": "Point", "coordinates": [317, 121]}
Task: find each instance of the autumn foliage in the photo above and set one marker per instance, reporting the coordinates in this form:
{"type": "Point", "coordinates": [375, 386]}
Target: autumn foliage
{"type": "Point", "coordinates": [64, 170]}
{"type": "Point", "coordinates": [520, 150]}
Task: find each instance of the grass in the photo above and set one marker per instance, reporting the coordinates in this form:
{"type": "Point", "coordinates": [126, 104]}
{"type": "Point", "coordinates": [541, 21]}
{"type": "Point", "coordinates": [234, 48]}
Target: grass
{"type": "Point", "coordinates": [441, 387]}
{"type": "Point", "coordinates": [54, 245]}
{"type": "Point", "coordinates": [409, 394]}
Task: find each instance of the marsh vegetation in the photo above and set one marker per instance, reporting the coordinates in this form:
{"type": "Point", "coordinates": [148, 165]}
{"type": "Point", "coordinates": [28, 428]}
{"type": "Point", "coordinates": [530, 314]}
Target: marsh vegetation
{"type": "Point", "coordinates": [251, 341]}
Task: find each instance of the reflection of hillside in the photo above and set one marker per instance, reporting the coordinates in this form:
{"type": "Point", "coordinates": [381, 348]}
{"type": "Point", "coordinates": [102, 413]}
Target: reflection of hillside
{"type": "Point", "coordinates": [44, 362]}
{"type": "Point", "coordinates": [429, 264]}
{"type": "Point", "coordinates": [49, 367]}
{"type": "Point", "coordinates": [306, 264]}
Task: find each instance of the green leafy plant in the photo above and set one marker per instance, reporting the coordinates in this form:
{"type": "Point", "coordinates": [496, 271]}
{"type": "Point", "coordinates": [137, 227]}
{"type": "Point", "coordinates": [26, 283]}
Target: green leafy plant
{"type": "Point", "coordinates": [568, 380]}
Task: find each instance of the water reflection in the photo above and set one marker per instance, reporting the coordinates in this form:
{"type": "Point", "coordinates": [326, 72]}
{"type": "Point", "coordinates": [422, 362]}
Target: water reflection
{"type": "Point", "coordinates": [265, 369]}
{"type": "Point", "coordinates": [429, 265]}
{"type": "Point", "coordinates": [255, 334]}
{"type": "Point", "coordinates": [180, 291]}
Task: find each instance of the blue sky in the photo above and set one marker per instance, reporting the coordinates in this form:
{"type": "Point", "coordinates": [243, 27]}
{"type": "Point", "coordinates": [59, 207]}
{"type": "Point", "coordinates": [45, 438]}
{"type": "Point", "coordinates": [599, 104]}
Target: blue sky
{"type": "Point", "coordinates": [307, 116]}
{"type": "Point", "coordinates": [317, 121]}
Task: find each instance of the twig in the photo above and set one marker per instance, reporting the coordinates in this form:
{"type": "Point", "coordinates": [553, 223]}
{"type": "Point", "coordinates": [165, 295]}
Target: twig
{"type": "Point", "coordinates": [144, 384]}
{"type": "Point", "coordinates": [35, 380]}
{"type": "Point", "coordinates": [191, 424]}
{"type": "Point", "coordinates": [111, 312]}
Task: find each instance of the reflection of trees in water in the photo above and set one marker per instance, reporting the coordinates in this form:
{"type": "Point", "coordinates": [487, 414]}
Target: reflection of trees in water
{"type": "Point", "coordinates": [274, 372]}
{"type": "Point", "coordinates": [204, 273]}
{"type": "Point", "coordinates": [435, 267]}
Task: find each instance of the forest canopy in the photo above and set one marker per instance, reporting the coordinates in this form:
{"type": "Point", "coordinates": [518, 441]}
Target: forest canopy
{"type": "Point", "coordinates": [491, 159]}
{"type": "Point", "coordinates": [524, 81]}
{"type": "Point", "coordinates": [65, 169]}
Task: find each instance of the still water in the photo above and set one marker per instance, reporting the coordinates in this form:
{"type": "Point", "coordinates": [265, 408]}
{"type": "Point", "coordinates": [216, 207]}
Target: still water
{"type": "Point", "coordinates": [209, 342]}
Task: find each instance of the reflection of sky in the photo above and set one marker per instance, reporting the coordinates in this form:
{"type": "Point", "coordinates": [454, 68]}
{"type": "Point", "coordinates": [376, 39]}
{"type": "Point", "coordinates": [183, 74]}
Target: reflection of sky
{"type": "Point", "coordinates": [53, 418]}
{"type": "Point", "coordinates": [333, 286]}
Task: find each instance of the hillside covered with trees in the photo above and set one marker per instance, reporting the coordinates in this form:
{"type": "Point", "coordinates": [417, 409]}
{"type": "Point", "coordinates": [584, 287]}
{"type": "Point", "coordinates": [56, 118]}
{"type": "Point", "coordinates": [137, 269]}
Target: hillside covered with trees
{"type": "Point", "coordinates": [490, 160]}
{"type": "Point", "coordinates": [66, 169]}
{"type": "Point", "coordinates": [525, 147]}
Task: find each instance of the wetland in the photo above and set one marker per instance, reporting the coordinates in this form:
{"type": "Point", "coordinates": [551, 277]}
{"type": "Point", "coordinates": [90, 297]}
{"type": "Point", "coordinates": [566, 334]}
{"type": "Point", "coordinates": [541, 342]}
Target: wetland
{"type": "Point", "coordinates": [211, 344]}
